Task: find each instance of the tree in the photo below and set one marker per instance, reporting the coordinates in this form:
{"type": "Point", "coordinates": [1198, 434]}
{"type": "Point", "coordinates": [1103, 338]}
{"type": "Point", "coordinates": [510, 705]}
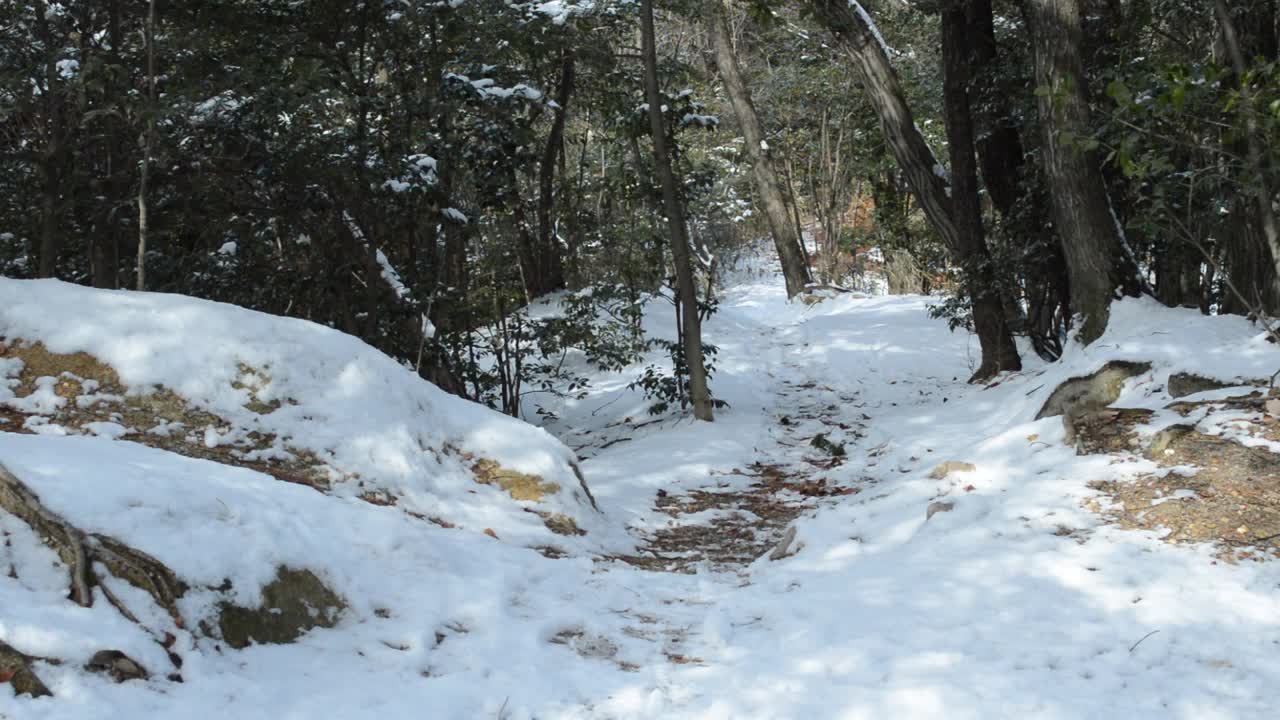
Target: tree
{"type": "Point", "coordinates": [691, 323]}
{"type": "Point", "coordinates": [785, 234]}
{"type": "Point", "coordinates": [999, 353]}
{"type": "Point", "coordinates": [148, 145]}
{"type": "Point", "coordinates": [1082, 216]}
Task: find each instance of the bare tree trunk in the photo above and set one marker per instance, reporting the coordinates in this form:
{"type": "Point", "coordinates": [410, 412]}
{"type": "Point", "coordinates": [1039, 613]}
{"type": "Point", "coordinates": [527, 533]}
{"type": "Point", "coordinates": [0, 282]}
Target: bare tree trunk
{"type": "Point", "coordinates": [999, 354]}
{"type": "Point", "coordinates": [692, 326]}
{"type": "Point", "coordinates": [147, 145]}
{"type": "Point", "coordinates": [1081, 211]}
{"type": "Point", "coordinates": [51, 158]}
{"type": "Point", "coordinates": [785, 239]}
{"type": "Point", "coordinates": [550, 264]}
{"type": "Point", "coordinates": [999, 143]}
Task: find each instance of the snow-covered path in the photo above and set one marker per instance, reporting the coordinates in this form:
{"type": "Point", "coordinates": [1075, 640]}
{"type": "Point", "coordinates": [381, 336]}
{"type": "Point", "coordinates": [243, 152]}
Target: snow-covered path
{"type": "Point", "coordinates": [1015, 602]}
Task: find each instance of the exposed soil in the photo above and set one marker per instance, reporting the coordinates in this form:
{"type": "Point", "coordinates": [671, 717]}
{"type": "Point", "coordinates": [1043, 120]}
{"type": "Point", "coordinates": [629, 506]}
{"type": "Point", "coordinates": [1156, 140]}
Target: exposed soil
{"type": "Point", "coordinates": [748, 523]}
{"type": "Point", "coordinates": [1215, 489]}
{"type": "Point", "coordinates": [156, 417]}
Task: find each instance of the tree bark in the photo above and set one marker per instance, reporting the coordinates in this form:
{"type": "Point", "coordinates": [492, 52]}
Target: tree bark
{"type": "Point", "coordinates": [999, 354]}
{"type": "Point", "coordinates": [785, 238]}
{"type": "Point", "coordinates": [692, 325]}
{"type": "Point", "coordinates": [51, 158]}
{"type": "Point", "coordinates": [550, 265]}
{"type": "Point", "coordinates": [147, 144]}
{"type": "Point", "coordinates": [1081, 212]}
{"type": "Point", "coordinates": [999, 142]}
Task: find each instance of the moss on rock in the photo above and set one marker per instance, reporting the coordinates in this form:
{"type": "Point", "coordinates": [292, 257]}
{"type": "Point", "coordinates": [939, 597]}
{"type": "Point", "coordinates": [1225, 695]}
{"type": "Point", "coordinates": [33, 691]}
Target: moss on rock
{"type": "Point", "coordinates": [295, 602]}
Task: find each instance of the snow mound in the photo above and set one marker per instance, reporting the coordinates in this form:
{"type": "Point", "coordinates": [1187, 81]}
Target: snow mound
{"type": "Point", "coordinates": [288, 397]}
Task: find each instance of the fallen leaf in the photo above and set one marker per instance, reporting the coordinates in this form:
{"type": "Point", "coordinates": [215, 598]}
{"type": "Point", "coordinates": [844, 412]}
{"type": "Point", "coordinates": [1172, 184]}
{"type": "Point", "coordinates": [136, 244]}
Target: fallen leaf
{"type": "Point", "coordinates": [969, 488]}
{"type": "Point", "coordinates": [1033, 437]}
{"type": "Point", "coordinates": [491, 533]}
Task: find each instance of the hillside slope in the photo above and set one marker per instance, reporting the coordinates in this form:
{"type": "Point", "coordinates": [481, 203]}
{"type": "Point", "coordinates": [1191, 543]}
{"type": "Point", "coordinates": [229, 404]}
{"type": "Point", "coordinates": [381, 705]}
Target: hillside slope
{"type": "Point", "coordinates": [958, 557]}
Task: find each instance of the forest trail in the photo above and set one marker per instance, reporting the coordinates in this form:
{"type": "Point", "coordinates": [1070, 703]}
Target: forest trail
{"type": "Point", "coordinates": [725, 527]}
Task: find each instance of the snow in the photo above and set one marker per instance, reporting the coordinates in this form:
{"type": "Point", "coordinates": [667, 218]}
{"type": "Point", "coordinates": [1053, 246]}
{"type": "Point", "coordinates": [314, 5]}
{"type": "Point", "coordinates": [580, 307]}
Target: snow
{"type": "Point", "coordinates": [370, 419]}
{"type": "Point", "coordinates": [983, 611]}
{"type": "Point", "coordinates": [871, 25]}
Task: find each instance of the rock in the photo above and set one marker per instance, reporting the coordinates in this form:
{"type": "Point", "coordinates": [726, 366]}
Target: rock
{"type": "Point", "coordinates": [295, 602]}
{"type": "Point", "coordinates": [1164, 440]}
{"type": "Point", "coordinates": [820, 441]}
{"type": "Point", "coordinates": [938, 506]}
{"type": "Point", "coordinates": [119, 666]}
{"type": "Point", "coordinates": [951, 466]}
{"type": "Point", "coordinates": [783, 548]}
{"type": "Point", "coordinates": [1184, 384]}
{"type": "Point", "coordinates": [15, 669]}
{"type": "Point", "coordinates": [1091, 392]}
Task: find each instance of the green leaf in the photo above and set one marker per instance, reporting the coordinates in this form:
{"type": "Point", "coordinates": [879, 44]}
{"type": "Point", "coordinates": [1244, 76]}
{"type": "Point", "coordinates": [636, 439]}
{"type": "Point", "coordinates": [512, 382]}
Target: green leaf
{"type": "Point", "coordinates": [1119, 92]}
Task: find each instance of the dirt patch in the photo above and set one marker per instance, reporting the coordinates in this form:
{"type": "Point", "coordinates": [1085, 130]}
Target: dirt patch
{"type": "Point", "coordinates": [1217, 489]}
{"type": "Point", "coordinates": [1106, 431]}
{"type": "Point", "coordinates": [746, 526]}
{"type": "Point", "coordinates": [94, 400]}
{"type": "Point", "coordinates": [38, 361]}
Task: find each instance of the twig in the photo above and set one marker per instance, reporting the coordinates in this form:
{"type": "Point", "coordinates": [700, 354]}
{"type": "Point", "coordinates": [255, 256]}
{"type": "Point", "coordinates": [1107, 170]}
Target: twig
{"type": "Point", "coordinates": [1144, 637]}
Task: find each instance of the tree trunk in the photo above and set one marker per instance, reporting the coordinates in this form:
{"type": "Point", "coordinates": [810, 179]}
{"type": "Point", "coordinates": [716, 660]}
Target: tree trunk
{"type": "Point", "coordinates": [51, 158]}
{"type": "Point", "coordinates": [105, 243]}
{"type": "Point", "coordinates": [998, 141]}
{"type": "Point", "coordinates": [147, 144]}
{"type": "Point", "coordinates": [550, 266]}
{"type": "Point", "coordinates": [1080, 209]}
{"type": "Point", "coordinates": [692, 326]}
{"type": "Point", "coordinates": [785, 238]}
{"type": "Point", "coordinates": [999, 354]}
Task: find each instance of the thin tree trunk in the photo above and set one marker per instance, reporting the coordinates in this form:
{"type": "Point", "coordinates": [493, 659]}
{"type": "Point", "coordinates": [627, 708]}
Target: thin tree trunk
{"type": "Point", "coordinates": [1080, 209]}
{"type": "Point", "coordinates": [105, 243]}
{"type": "Point", "coordinates": [998, 142]}
{"type": "Point", "coordinates": [692, 335]}
{"type": "Point", "coordinates": [785, 239]}
{"type": "Point", "coordinates": [550, 265]}
{"type": "Point", "coordinates": [999, 354]}
{"type": "Point", "coordinates": [51, 157]}
{"type": "Point", "coordinates": [147, 144]}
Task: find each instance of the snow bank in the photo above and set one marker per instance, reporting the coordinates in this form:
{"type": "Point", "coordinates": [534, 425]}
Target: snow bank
{"type": "Point", "coordinates": [374, 424]}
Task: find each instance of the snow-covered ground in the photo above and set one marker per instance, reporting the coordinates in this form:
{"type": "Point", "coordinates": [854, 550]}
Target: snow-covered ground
{"type": "Point", "coordinates": [1017, 602]}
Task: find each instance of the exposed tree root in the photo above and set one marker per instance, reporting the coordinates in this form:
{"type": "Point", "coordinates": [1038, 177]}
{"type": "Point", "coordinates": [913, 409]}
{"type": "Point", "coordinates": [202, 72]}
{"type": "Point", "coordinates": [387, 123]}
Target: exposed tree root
{"type": "Point", "coordinates": [15, 669]}
{"type": "Point", "coordinates": [81, 551]}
